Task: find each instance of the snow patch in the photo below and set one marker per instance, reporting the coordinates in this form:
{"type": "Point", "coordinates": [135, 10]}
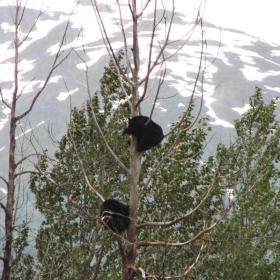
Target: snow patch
{"type": "Point", "coordinates": [273, 88]}
{"type": "Point", "coordinates": [275, 53]}
{"type": "Point", "coordinates": [54, 79]}
{"type": "Point", "coordinates": [253, 74]}
{"type": "Point", "coordinates": [4, 120]}
{"type": "Point", "coordinates": [242, 110]}
{"type": "Point", "coordinates": [213, 115]}
{"type": "Point", "coordinates": [3, 190]}
{"type": "Point", "coordinates": [29, 130]}
{"type": "Point", "coordinates": [63, 95]}
{"type": "Point", "coordinates": [6, 27]}
{"type": "Point", "coordinates": [6, 70]}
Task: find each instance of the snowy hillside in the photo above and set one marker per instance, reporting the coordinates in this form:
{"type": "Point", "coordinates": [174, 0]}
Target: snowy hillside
{"type": "Point", "coordinates": [235, 63]}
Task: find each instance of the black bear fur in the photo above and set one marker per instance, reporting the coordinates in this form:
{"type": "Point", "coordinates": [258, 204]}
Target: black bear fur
{"type": "Point", "coordinates": [148, 135]}
{"type": "Point", "coordinates": [115, 214]}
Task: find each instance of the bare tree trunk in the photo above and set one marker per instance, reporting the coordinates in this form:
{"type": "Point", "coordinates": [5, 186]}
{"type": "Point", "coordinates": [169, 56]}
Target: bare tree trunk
{"type": "Point", "coordinates": [131, 251]}
{"type": "Point", "coordinates": [135, 161]}
{"type": "Point", "coordinates": [7, 263]}
{"type": "Point", "coordinates": [10, 203]}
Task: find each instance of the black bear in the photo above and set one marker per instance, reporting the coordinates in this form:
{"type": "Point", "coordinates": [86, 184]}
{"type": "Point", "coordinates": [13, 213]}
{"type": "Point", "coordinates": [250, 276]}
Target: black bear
{"type": "Point", "coordinates": [148, 135]}
{"type": "Point", "coordinates": [115, 214]}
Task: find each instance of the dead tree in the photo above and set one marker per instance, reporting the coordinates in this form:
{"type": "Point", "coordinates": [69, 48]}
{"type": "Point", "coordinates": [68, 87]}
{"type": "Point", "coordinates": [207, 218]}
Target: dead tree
{"type": "Point", "coordinates": [20, 15]}
{"type": "Point", "coordinates": [141, 85]}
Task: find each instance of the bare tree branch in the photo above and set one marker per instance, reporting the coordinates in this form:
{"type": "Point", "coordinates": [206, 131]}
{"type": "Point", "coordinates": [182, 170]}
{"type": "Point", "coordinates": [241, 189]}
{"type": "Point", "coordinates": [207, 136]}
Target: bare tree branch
{"type": "Point", "coordinates": [97, 124]}
{"type": "Point", "coordinates": [189, 268]}
{"type": "Point", "coordinates": [145, 275]}
{"type": "Point", "coordinates": [3, 207]}
{"type": "Point", "coordinates": [170, 223]}
{"type": "Point", "coordinates": [4, 102]}
{"type": "Point", "coordinates": [55, 64]}
{"type": "Point", "coordinates": [129, 67]}
{"type": "Point", "coordinates": [4, 180]}
{"type": "Point", "coordinates": [82, 167]}
{"type": "Point", "coordinates": [192, 95]}
{"type": "Point", "coordinates": [175, 244]}
{"type": "Point", "coordinates": [106, 39]}
{"type": "Point", "coordinates": [144, 8]}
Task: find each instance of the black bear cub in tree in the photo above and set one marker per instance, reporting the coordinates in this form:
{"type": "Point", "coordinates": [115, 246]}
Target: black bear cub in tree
{"type": "Point", "coordinates": [115, 214]}
{"type": "Point", "coordinates": [148, 135]}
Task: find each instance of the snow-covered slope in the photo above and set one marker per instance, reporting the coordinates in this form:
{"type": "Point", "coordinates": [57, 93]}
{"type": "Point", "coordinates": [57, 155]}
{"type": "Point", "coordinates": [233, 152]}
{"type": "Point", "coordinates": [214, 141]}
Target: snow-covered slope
{"type": "Point", "coordinates": [236, 63]}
